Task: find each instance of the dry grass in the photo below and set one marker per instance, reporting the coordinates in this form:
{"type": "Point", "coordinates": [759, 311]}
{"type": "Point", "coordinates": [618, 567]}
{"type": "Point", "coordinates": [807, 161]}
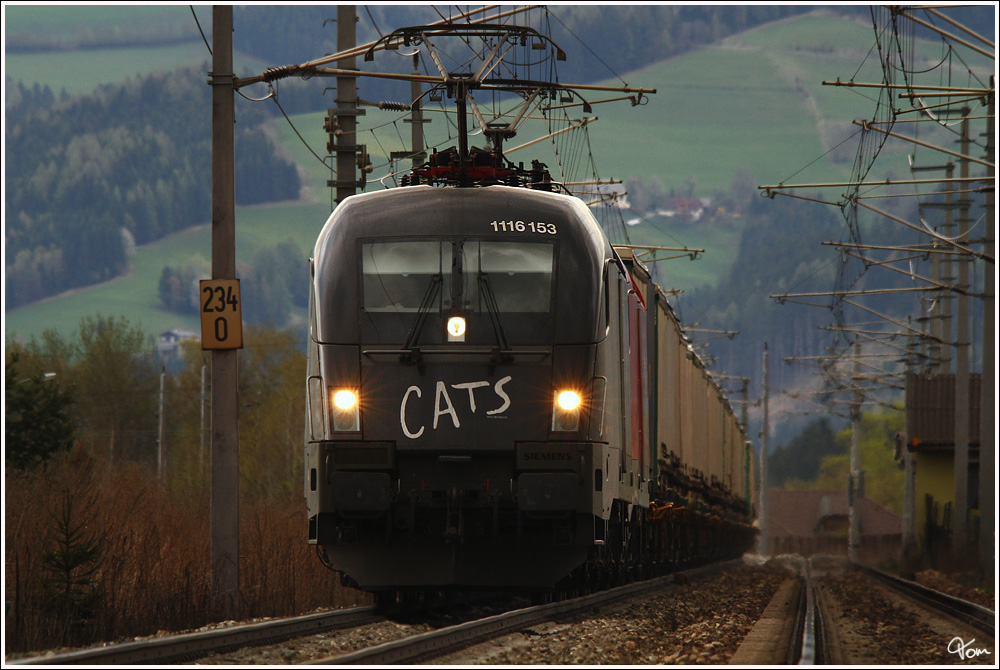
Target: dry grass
{"type": "Point", "coordinates": [152, 571]}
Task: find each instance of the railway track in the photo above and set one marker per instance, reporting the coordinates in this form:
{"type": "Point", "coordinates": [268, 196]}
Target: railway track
{"type": "Point", "coordinates": [219, 645]}
{"type": "Point", "coordinates": [790, 631]}
{"type": "Point", "coordinates": [188, 646]}
{"type": "Point", "coordinates": [835, 612]}
{"type": "Point", "coordinates": [877, 619]}
{"type": "Point", "coordinates": [435, 644]}
{"type": "Point", "coordinates": [977, 616]}
{"type": "Point", "coordinates": [821, 611]}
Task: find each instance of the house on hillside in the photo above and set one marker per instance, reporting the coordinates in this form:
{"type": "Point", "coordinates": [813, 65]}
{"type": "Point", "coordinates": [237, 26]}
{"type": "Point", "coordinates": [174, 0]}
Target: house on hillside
{"type": "Point", "coordinates": [168, 345]}
{"type": "Point", "coordinates": [816, 522]}
{"type": "Point", "coordinates": [689, 208]}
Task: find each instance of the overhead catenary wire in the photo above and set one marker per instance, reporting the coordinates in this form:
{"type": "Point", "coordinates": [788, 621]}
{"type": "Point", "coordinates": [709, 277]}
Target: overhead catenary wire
{"type": "Point", "coordinates": [202, 32]}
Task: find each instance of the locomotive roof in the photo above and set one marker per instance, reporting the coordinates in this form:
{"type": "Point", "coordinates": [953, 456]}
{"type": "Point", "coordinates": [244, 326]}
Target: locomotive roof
{"type": "Point", "coordinates": [456, 213]}
{"type": "Point", "coordinates": [429, 210]}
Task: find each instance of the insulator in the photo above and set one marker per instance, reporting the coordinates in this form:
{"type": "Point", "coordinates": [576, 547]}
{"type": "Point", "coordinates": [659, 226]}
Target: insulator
{"type": "Point", "coordinates": [394, 106]}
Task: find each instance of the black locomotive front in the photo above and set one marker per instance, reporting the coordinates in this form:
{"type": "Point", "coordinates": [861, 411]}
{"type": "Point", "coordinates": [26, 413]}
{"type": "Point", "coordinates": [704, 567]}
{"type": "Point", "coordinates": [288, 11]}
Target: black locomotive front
{"type": "Point", "coordinates": [455, 416]}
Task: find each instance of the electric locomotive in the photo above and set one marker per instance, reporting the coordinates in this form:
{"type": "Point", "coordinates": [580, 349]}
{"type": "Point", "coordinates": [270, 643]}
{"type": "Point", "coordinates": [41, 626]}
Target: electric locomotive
{"type": "Point", "coordinates": [470, 381]}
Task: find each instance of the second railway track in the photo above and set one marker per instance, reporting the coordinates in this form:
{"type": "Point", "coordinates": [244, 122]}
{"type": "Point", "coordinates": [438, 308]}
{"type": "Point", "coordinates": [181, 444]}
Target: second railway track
{"type": "Point", "coordinates": [843, 614]}
{"type": "Point", "coordinates": [876, 619]}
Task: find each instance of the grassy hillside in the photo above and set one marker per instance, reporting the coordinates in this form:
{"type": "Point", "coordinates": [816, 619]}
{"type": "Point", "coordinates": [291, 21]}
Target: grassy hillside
{"type": "Point", "coordinates": [41, 26]}
{"type": "Point", "coordinates": [81, 71]}
{"type": "Point", "coordinates": [135, 296]}
{"type": "Point", "coordinates": [78, 48]}
{"type": "Point", "coordinates": [753, 103]}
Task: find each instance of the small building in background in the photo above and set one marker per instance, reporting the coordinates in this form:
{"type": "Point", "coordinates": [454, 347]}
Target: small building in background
{"type": "Point", "coordinates": [690, 208]}
{"type": "Point", "coordinates": [930, 441]}
{"type": "Point", "coordinates": [816, 522]}
{"type": "Point", "coordinates": [168, 346]}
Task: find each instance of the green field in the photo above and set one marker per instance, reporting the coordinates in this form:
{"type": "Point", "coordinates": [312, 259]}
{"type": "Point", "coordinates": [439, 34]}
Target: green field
{"type": "Point", "coordinates": [152, 38]}
{"type": "Point", "coordinates": [74, 22]}
{"type": "Point", "coordinates": [135, 296]}
{"type": "Point", "coordinates": [754, 103]}
{"type": "Point", "coordinates": [82, 71]}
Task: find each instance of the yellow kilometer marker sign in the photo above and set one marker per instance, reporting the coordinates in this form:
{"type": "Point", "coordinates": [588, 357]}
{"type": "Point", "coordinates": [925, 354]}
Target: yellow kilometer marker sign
{"type": "Point", "coordinates": [221, 316]}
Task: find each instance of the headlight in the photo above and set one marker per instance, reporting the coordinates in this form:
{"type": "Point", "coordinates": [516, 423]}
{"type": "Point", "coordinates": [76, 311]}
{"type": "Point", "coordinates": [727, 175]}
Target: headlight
{"type": "Point", "coordinates": [568, 400]}
{"type": "Point", "coordinates": [456, 329]}
{"type": "Point", "coordinates": [345, 400]}
{"type": "Point", "coordinates": [344, 415]}
{"type": "Point", "coordinates": [566, 411]}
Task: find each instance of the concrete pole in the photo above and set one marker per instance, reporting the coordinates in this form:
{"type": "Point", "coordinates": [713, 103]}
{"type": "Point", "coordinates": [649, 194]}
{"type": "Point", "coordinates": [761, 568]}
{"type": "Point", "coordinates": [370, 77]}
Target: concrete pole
{"type": "Point", "coordinates": [201, 430]}
{"type": "Point", "coordinates": [909, 482]}
{"type": "Point", "coordinates": [765, 437]}
{"type": "Point", "coordinates": [225, 512]}
{"type": "Point", "coordinates": [987, 395]}
{"type": "Point", "coordinates": [945, 297]}
{"type": "Point", "coordinates": [347, 105]}
{"type": "Point", "coordinates": [747, 447]}
{"type": "Point", "coordinates": [160, 431]}
{"type": "Point", "coordinates": [854, 479]}
{"type": "Point", "coordinates": [416, 119]}
{"type": "Point", "coordinates": [961, 463]}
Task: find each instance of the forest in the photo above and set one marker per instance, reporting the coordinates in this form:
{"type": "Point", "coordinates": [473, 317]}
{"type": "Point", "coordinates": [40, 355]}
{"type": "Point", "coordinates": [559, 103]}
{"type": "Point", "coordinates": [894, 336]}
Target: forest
{"type": "Point", "coordinates": [90, 177]}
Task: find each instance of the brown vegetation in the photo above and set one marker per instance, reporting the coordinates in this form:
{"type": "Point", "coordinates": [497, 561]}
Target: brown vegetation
{"type": "Point", "coordinates": [152, 565]}
{"type": "Point", "coordinates": [97, 548]}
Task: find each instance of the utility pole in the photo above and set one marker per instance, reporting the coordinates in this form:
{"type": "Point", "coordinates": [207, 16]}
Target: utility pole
{"type": "Point", "coordinates": [201, 432]}
{"type": "Point", "coordinates": [854, 480]}
{"type": "Point", "coordinates": [987, 394]}
{"type": "Point", "coordinates": [946, 349]}
{"type": "Point", "coordinates": [765, 539]}
{"type": "Point", "coordinates": [416, 154]}
{"type": "Point", "coordinates": [909, 483]}
{"type": "Point", "coordinates": [747, 446]}
{"type": "Point", "coordinates": [417, 118]}
{"type": "Point", "coordinates": [939, 316]}
{"type": "Point", "coordinates": [347, 105]}
{"type": "Point", "coordinates": [960, 506]}
{"type": "Point", "coordinates": [225, 512]}
{"type": "Point", "coordinates": [160, 431]}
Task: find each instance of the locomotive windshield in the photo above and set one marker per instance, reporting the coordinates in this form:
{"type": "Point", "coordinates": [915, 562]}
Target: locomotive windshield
{"type": "Point", "coordinates": [402, 279]}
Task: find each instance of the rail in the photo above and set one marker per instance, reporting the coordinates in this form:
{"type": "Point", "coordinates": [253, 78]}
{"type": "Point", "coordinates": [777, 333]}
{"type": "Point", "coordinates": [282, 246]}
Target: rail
{"type": "Point", "coordinates": [419, 648]}
{"type": "Point", "coordinates": [188, 646]}
{"type": "Point", "coordinates": [812, 645]}
{"type": "Point", "coordinates": [808, 641]}
{"type": "Point", "coordinates": [977, 616]}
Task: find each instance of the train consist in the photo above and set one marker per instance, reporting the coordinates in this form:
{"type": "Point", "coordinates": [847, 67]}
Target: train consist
{"type": "Point", "coordinates": [497, 397]}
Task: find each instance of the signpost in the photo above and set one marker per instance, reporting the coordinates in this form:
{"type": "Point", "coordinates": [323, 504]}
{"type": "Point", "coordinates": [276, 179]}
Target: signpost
{"type": "Point", "coordinates": [221, 318]}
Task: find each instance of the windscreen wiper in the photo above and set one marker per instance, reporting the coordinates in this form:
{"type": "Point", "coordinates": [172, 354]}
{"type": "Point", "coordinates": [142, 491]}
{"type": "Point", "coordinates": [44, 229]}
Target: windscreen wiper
{"type": "Point", "coordinates": [486, 291]}
{"type": "Point", "coordinates": [430, 295]}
